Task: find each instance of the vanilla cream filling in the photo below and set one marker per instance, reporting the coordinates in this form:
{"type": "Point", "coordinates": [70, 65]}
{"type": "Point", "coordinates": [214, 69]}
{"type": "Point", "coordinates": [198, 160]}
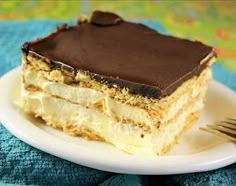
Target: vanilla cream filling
{"type": "Point", "coordinates": [167, 132]}
{"type": "Point", "coordinates": [88, 97]}
{"type": "Point", "coordinates": [123, 135]}
{"type": "Point", "coordinates": [116, 122]}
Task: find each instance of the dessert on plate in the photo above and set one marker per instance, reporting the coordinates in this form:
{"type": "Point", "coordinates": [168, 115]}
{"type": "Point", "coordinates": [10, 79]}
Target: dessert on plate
{"type": "Point", "coordinates": [115, 81]}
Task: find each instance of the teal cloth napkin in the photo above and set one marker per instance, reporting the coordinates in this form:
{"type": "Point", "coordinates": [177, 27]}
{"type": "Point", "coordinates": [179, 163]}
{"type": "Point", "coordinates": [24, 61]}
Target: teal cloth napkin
{"type": "Point", "coordinates": [21, 164]}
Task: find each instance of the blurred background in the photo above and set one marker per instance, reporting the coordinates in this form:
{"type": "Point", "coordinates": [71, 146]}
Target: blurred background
{"type": "Point", "coordinates": [210, 21]}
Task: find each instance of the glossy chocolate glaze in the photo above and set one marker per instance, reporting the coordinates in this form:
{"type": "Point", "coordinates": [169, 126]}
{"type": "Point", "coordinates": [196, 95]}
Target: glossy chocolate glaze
{"type": "Point", "coordinates": [123, 54]}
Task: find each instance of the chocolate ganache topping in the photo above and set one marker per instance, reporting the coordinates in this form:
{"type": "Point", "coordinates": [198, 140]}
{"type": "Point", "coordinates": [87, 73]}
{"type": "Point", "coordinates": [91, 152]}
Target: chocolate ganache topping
{"type": "Point", "coordinates": [123, 54]}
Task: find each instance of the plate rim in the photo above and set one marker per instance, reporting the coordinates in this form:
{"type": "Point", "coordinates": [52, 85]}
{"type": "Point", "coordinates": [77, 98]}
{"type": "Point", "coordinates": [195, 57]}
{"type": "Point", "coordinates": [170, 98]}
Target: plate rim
{"type": "Point", "coordinates": [159, 165]}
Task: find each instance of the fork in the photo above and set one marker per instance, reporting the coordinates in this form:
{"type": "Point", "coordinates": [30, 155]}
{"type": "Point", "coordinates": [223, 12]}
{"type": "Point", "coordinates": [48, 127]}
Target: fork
{"type": "Point", "coordinates": [225, 128]}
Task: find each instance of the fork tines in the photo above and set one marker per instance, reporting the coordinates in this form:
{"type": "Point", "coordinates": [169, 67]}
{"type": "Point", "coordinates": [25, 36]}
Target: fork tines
{"type": "Point", "coordinates": [225, 128]}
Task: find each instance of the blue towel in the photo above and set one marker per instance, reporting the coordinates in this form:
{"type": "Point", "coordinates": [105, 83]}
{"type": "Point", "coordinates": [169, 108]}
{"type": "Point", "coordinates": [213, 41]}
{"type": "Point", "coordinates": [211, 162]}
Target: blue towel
{"type": "Point", "coordinates": [21, 164]}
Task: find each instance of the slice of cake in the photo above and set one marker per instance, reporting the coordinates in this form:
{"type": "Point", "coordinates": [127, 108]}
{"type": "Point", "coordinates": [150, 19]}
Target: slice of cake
{"type": "Point", "coordinates": [114, 81]}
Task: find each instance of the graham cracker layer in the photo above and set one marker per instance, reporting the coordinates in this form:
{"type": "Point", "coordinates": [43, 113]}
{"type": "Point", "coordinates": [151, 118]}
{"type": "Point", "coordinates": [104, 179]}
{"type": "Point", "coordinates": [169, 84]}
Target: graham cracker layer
{"type": "Point", "coordinates": [158, 141]}
{"type": "Point", "coordinates": [158, 110]}
{"type": "Point", "coordinates": [163, 120]}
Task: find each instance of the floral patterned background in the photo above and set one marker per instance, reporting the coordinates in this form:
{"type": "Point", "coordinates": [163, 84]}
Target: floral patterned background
{"type": "Point", "coordinates": [210, 21]}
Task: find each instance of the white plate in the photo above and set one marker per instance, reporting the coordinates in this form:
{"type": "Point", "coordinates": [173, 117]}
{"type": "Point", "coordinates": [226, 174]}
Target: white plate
{"type": "Point", "coordinates": [196, 151]}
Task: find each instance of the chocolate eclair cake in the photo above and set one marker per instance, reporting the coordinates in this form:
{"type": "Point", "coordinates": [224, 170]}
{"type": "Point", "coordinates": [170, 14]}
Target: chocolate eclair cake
{"type": "Point", "coordinates": [115, 81]}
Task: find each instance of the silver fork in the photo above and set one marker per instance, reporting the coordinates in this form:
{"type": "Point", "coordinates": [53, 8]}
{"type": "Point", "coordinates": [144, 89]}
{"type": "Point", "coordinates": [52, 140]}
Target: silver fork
{"type": "Point", "coordinates": [225, 128]}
